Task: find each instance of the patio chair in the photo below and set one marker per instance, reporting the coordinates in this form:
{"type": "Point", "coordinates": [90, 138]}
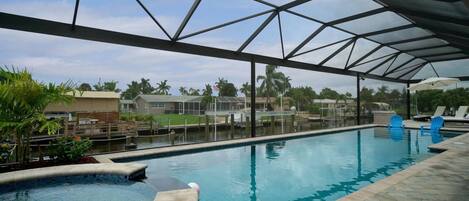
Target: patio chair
{"type": "Point", "coordinates": [440, 110]}
{"type": "Point", "coordinates": [459, 115]}
{"type": "Point", "coordinates": [395, 122]}
{"type": "Point", "coordinates": [435, 126]}
{"type": "Point", "coordinates": [396, 134]}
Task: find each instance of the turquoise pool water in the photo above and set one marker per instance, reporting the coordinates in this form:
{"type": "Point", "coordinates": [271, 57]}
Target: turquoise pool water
{"type": "Point", "coordinates": [79, 188]}
{"type": "Point", "coordinates": [323, 167]}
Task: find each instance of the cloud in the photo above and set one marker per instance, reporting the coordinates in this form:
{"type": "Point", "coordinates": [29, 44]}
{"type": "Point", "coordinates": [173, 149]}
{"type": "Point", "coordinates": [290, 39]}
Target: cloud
{"type": "Point", "coordinates": [58, 59]}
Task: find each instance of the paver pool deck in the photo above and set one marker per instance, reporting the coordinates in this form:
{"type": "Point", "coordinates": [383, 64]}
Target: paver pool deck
{"type": "Point", "coordinates": [442, 177]}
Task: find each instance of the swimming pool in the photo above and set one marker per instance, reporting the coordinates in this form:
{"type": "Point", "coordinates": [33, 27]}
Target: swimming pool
{"type": "Point", "coordinates": [324, 167]}
{"type": "Point", "coordinates": [78, 188]}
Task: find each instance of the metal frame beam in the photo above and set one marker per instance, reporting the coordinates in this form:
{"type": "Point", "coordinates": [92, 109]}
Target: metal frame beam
{"type": "Point", "coordinates": [336, 52]}
{"type": "Point", "coordinates": [257, 31]}
{"type": "Point", "coordinates": [409, 40]}
{"type": "Point", "coordinates": [154, 19]}
{"type": "Point", "coordinates": [357, 16]}
{"type": "Point", "coordinates": [426, 15]}
{"type": "Point", "coordinates": [400, 66]}
{"type": "Point", "coordinates": [226, 24]}
{"type": "Point", "coordinates": [383, 31]}
{"type": "Point", "coordinates": [29, 24]}
{"type": "Point", "coordinates": [321, 47]}
{"type": "Point", "coordinates": [381, 63]}
{"type": "Point", "coordinates": [364, 57]}
{"type": "Point", "coordinates": [358, 100]}
{"type": "Point", "coordinates": [253, 98]}
{"type": "Point", "coordinates": [306, 41]}
{"type": "Point", "coordinates": [75, 13]}
{"type": "Point", "coordinates": [441, 54]}
{"type": "Point", "coordinates": [186, 19]}
{"type": "Point", "coordinates": [418, 67]}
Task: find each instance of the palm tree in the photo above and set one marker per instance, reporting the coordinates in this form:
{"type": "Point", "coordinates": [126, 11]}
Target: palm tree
{"type": "Point", "coordinates": [183, 91]}
{"type": "Point", "coordinates": [245, 89]}
{"type": "Point", "coordinates": [22, 102]}
{"type": "Point", "coordinates": [272, 82]}
{"type": "Point", "coordinates": [163, 87]}
{"type": "Point", "coordinates": [194, 92]}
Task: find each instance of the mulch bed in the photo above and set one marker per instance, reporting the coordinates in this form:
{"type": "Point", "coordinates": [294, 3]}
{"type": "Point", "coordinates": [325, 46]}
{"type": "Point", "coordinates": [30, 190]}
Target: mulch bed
{"type": "Point", "coordinates": [39, 164]}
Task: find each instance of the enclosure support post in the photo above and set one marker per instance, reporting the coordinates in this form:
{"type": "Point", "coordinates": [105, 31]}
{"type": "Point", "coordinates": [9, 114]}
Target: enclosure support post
{"type": "Point", "coordinates": [253, 98]}
{"type": "Point", "coordinates": [358, 99]}
{"type": "Point", "coordinates": [408, 100]}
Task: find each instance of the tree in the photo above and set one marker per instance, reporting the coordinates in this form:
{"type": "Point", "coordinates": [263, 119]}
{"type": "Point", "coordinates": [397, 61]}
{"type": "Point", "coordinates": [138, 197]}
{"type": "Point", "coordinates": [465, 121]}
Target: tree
{"type": "Point", "coordinates": [194, 92]}
{"type": "Point", "coordinates": [301, 97]}
{"type": "Point", "coordinates": [106, 86]}
{"type": "Point", "coordinates": [132, 91]}
{"type": "Point", "coordinates": [145, 86]}
{"type": "Point", "coordinates": [329, 93]}
{"type": "Point", "coordinates": [272, 82]}
{"type": "Point", "coordinates": [163, 88]}
{"type": "Point", "coordinates": [226, 88]}
{"type": "Point", "coordinates": [183, 91]}
{"type": "Point", "coordinates": [85, 87]}
{"type": "Point", "coordinates": [207, 95]}
{"type": "Point", "coordinates": [22, 102]}
{"type": "Point", "coordinates": [245, 89]}
{"type": "Point", "coordinates": [366, 94]}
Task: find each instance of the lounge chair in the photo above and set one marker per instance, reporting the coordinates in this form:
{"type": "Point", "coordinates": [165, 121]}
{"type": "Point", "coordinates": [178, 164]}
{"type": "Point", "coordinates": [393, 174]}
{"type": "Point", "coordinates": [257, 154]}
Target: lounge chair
{"type": "Point", "coordinates": [459, 116]}
{"type": "Point", "coordinates": [435, 126]}
{"type": "Point", "coordinates": [434, 130]}
{"type": "Point", "coordinates": [440, 110]}
{"type": "Point", "coordinates": [395, 122]}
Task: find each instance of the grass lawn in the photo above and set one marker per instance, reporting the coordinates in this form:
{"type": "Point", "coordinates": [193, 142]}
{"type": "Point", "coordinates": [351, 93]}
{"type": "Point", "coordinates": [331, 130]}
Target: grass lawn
{"type": "Point", "coordinates": [177, 119]}
{"type": "Point", "coordinates": [164, 119]}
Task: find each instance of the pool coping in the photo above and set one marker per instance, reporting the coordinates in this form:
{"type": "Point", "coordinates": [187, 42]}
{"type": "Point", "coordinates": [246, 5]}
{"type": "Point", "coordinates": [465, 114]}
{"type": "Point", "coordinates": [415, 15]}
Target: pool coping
{"type": "Point", "coordinates": [129, 170]}
{"type": "Point", "coordinates": [448, 148]}
{"type": "Point", "coordinates": [201, 147]}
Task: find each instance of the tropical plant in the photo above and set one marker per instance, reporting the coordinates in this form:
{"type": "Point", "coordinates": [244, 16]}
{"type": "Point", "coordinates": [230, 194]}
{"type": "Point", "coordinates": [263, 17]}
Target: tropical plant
{"type": "Point", "coordinates": [22, 102]}
{"type": "Point", "coordinates": [207, 95]}
{"type": "Point", "coordinates": [132, 91]}
{"type": "Point", "coordinates": [183, 91]}
{"type": "Point", "coordinates": [226, 88]}
{"type": "Point", "coordinates": [272, 82]}
{"type": "Point", "coordinates": [69, 148]}
{"type": "Point", "coordinates": [245, 89]}
{"type": "Point", "coordinates": [85, 87]}
{"type": "Point", "coordinates": [106, 86]}
{"type": "Point", "coordinates": [194, 92]}
{"type": "Point", "coordinates": [163, 88]}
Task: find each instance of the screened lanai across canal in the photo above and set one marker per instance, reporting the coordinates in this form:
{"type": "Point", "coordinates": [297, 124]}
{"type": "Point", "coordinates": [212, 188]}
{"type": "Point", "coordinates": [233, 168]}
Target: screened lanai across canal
{"type": "Point", "coordinates": [391, 40]}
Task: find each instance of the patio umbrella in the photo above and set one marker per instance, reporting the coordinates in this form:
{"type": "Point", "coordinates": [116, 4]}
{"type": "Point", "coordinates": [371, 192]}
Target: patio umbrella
{"type": "Point", "coordinates": [432, 83]}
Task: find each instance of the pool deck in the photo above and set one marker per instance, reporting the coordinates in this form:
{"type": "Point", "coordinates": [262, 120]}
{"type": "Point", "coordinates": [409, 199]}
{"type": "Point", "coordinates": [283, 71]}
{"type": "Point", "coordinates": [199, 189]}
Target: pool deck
{"type": "Point", "coordinates": [129, 170]}
{"type": "Point", "coordinates": [441, 177]}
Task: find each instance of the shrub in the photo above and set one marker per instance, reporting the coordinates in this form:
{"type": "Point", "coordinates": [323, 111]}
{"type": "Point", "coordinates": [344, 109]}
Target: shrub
{"type": "Point", "coordinates": [4, 152]}
{"type": "Point", "coordinates": [69, 148]}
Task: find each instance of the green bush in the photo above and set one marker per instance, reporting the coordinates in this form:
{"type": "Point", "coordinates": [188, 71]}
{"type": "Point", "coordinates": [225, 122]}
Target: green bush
{"type": "Point", "coordinates": [4, 152]}
{"type": "Point", "coordinates": [68, 148]}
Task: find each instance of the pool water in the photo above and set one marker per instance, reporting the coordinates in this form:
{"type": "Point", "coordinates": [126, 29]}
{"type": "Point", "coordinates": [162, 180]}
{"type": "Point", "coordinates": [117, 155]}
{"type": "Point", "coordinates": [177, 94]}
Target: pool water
{"type": "Point", "coordinates": [324, 167]}
{"type": "Point", "coordinates": [79, 188]}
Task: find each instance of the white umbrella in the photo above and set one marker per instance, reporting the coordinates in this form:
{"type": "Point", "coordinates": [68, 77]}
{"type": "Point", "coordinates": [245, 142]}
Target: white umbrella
{"type": "Point", "coordinates": [432, 83]}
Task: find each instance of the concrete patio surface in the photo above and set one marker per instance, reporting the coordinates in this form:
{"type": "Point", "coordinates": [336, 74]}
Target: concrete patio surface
{"type": "Point", "coordinates": [442, 177]}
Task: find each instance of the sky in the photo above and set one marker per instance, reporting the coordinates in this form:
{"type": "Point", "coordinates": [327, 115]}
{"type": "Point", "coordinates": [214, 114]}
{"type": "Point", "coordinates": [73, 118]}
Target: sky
{"type": "Point", "coordinates": [56, 59]}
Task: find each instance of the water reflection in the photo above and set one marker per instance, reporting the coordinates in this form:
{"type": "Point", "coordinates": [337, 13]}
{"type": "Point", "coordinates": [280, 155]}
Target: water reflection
{"type": "Point", "coordinates": [273, 149]}
{"type": "Point", "coordinates": [253, 192]}
{"type": "Point", "coordinates": [364, 175]}
{"type": "Point", "coordinates": [396, 134]}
